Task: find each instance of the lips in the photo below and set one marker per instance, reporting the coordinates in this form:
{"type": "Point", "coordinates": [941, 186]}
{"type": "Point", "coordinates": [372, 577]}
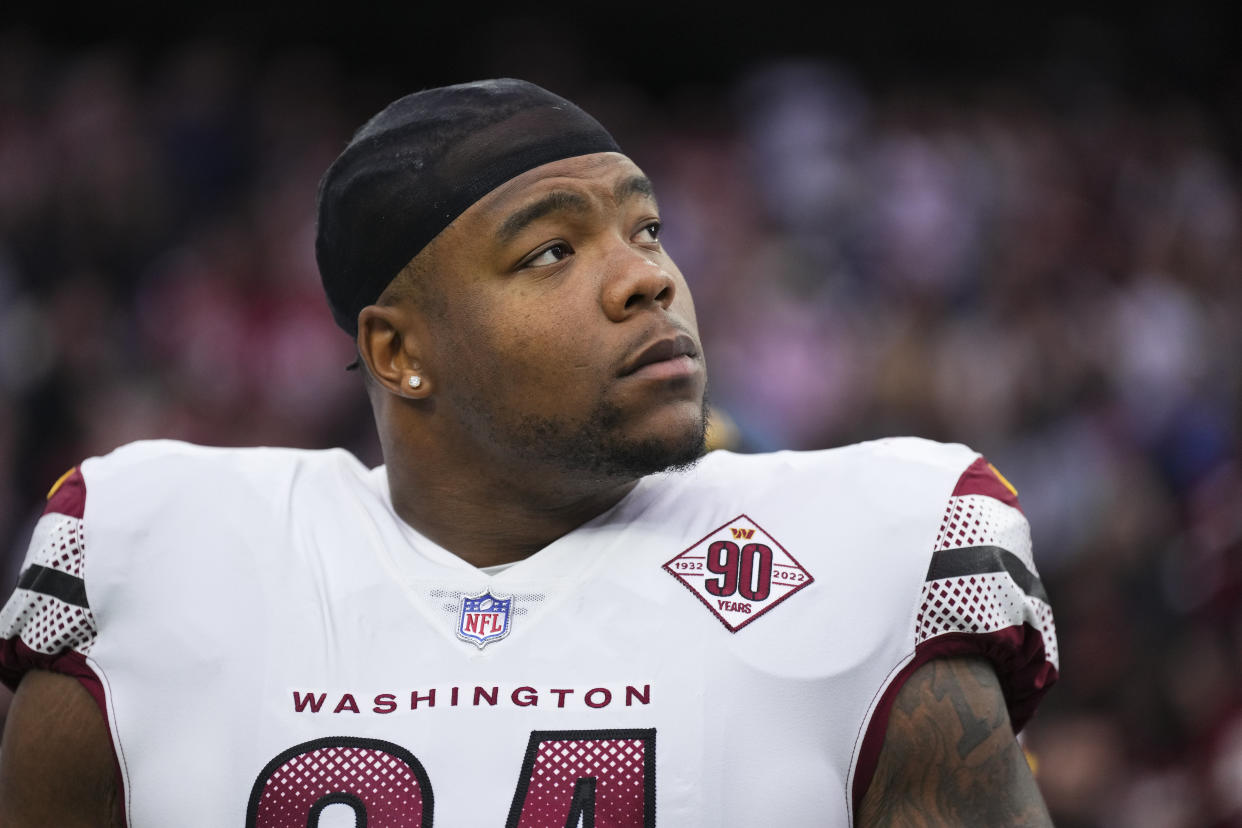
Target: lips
{"type": "Point", "coordinates": [664, 349]}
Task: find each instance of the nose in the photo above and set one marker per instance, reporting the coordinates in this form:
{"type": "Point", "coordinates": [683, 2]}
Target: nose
{"type": "Point", "coordinates": [637, 279]}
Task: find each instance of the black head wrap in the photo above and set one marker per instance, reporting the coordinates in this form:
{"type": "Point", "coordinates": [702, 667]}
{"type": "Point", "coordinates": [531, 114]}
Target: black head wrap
{"type": "Point", "coordinates": [418, 164]}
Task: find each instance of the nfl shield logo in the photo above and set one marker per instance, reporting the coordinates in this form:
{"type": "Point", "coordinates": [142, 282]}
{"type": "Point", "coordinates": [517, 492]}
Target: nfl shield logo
{"type": "Point", "coordinates": [484, 618]}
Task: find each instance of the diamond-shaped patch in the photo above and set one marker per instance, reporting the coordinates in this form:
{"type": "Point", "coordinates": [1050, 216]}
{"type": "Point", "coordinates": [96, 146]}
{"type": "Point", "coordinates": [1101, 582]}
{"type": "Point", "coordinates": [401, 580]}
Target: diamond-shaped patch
{"type": "Point", "coordinates": [739, 572]}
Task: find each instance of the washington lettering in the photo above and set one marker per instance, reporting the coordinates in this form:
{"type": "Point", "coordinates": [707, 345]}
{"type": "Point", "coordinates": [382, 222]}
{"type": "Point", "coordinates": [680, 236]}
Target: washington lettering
{"type": "Point", "coordinates": [582, 698]}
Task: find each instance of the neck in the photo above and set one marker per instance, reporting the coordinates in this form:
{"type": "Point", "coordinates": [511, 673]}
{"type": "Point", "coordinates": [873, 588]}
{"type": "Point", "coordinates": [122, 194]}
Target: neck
{"type": "Point", "coordinates": [492, 518]}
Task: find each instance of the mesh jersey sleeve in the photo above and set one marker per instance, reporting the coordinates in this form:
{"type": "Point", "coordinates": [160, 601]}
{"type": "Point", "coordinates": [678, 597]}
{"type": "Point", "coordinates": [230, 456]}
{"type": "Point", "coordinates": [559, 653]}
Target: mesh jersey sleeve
{"type": "Point", "coordinates": [47, 623]}
{"type": "Point", "coordinates": [981, 595]}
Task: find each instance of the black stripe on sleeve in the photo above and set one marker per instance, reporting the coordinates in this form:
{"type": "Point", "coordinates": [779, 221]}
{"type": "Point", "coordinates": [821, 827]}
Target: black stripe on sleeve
{"type": "Point", "coordinates": [977, 560]}
{"type": "Point", "coordinates": [53, 582]}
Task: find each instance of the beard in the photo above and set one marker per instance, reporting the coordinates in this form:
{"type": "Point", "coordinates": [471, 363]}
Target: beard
{"type": "Point", "coordinates": [595, 448]}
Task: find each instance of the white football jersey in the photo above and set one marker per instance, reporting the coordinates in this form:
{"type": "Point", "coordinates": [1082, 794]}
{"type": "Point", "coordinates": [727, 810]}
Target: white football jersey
{"type": "Point", "coordinates": [273, 647]}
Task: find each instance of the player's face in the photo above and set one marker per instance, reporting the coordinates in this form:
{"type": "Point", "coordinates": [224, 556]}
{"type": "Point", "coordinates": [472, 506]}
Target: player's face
{"type": "Point", "coordinates": [568, 338]}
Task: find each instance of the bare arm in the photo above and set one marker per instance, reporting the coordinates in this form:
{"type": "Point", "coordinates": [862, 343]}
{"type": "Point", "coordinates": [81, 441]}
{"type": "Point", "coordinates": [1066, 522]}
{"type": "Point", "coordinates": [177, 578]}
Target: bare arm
{"type": "Point", "coordinates": [950, 756]}
{"type": "Point", "coordinates": [56, 763]}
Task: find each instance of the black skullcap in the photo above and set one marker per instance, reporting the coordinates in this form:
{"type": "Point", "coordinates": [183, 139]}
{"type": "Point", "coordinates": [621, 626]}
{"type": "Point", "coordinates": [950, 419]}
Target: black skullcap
{"type": "Point", "coordinates": [420, 163]}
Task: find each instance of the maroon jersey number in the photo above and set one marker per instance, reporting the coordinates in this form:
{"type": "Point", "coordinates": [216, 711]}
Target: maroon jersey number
{"type": "Point", "coordinates": [588, 778]}
{"type": "Point", "coordinates": [383, 783]}
{"type": "Point", "coordinates": [569, 777]}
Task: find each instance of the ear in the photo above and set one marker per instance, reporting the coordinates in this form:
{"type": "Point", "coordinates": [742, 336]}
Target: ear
{"type": "Point", "coordinates": [391, 341]}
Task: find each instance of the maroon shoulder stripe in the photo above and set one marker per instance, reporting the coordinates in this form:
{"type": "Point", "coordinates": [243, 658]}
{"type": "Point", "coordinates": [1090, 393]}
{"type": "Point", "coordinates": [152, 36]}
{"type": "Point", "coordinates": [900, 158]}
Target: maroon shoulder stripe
{"type": "Point", "coordinates": [68, 496]}
{"type": "Point", "coordinates": [981, 479]}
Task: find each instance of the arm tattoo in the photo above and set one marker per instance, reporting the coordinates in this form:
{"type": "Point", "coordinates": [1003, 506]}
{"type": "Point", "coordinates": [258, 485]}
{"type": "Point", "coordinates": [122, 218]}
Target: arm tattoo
{"type": "Point", "coordinates": [950, 757]}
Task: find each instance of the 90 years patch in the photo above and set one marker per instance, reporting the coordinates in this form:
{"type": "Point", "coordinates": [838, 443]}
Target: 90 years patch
{"type": "Point", "coordinates": [739, 572]}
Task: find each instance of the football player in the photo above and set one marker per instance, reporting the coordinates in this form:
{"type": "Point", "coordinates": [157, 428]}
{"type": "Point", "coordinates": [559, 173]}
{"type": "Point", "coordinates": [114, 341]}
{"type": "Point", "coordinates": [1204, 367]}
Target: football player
{"type": "Point", "coordinates": [547, 608]}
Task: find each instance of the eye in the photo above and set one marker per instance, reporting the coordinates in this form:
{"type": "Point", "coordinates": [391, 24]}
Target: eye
{"type": "Point", "coordinates": [549, 255]}
{"type": "Point", "coordinates": [650, 232]}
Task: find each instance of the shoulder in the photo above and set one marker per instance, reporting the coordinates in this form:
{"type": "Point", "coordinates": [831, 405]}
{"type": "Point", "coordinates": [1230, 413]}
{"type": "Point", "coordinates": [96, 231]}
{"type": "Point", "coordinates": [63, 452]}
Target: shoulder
{"type": "Point", "coordinates": [890, 470]}
{"type": "Point", "coordinates": [156, 495]}
{"type": "Point", "coordinates": [171, 458]}
{"type": "Point", "coordinates": [153, 473]}
{"type": "Point", "coordinates": [890, 452]}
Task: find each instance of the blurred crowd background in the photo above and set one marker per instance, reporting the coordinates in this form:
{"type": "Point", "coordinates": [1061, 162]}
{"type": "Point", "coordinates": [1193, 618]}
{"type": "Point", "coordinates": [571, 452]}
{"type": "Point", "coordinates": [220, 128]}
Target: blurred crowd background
{"type": "Point", "coordinates": [1046, 265]}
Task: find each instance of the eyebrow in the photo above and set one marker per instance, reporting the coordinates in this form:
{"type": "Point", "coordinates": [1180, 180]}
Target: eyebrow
{"type": "Point", "coordinates": [636, 185]}
{"type": "Point", "coordinates": [553, 202]}
{"type": "Point", "coordinates": [562, 201]}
